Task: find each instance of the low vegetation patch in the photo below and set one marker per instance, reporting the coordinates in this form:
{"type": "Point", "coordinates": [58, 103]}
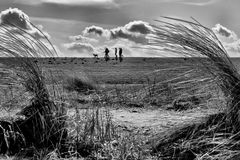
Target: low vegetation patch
{"type": "Point", "coordinates": [80, 84]}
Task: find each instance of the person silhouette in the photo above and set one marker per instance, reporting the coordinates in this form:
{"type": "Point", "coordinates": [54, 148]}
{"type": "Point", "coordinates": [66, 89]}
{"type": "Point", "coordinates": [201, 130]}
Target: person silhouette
{"type": "Point", "coordinates": [106, 57]}
{"type": "Point", "coordinates": [120, 54]}
{"type": "Point", "coordinates": [116, 56]}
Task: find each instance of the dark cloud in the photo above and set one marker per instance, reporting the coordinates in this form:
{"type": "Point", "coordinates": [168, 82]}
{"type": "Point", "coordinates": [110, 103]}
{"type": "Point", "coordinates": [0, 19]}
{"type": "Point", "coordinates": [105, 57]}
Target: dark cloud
{"type": "Point", "coordinates": [94, 30]}
{"type": "Point", "coordinates": [223, 31]}
{"type": "Point", "coordinates": [80, 47]}
{"type": "Point", "coordinates": [15, 17]}
{"type": "Point", "coordinates": [135, 31]}
{"type": "Point", "coordinates": [122, 33]}
{"type": "Point", "coordinates": [103, 12]}
{"type": "Point", "coordinates": [18, 18]}
{"type": "Point", "coordinates": [229, 38]}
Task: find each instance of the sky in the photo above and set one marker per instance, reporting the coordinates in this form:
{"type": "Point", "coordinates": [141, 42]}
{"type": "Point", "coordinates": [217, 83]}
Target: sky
{"type": "Point", "coordinates": [79, 28]}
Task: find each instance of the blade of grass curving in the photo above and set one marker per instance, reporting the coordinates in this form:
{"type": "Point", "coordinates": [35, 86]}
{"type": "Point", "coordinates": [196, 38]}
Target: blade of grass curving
{"type": "Point", "coordinates": [41, 127]}
{"type": "Point", "coordinates": [192, 39]}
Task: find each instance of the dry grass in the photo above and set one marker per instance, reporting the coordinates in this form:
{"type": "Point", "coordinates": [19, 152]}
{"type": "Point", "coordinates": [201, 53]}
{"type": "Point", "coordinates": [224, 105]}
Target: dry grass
{"type": "Point", "coordinates": [79, 83]}
{"type": "Point", "coordinates": [214, 137]}
{"type": "Point", "coordinates": [43, 123]}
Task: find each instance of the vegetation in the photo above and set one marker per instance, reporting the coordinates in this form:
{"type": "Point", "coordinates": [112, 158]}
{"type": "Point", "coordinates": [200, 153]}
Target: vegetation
{"type": "Point", "coordinates": [80, 84]}
{"type": "Point", "coordinates": [41, 124]}
{"type": "Point", "coordinates": [56, 114]}
{"type": "Point", "coordinates": [217, 136]}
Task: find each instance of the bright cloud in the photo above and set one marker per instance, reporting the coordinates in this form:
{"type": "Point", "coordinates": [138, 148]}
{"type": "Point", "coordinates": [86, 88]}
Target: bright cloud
{"type": "Point", "coordinates": [83, 39]}
{"type": "Point", "coordinates": [135, 31]}
{"type": "Point", "coordinates": [98, 31]}
{"type": "Point", "coordinates": [224, 33]}
{"type": "Point", "coordinates": [229, 39]}
{"type": "Point", "coordinates": [18, 18]}
{"type": "Point", "coordinates": [80, 47]}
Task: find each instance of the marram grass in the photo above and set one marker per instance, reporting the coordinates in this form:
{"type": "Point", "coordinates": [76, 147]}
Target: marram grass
{"type": "Point", "coordinates": [216, 137]}
{"type": "Point", "coordinates": [44, 122]}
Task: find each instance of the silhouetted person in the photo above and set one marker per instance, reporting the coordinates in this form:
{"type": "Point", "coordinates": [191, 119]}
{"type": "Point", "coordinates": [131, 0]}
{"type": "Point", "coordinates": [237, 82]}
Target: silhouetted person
{"type": "Point", "coordinates": [106, 57]}
{"type": "Point", "coordinates": [116, 56]}
{"type": "Point", "coordinates": [120, 54]}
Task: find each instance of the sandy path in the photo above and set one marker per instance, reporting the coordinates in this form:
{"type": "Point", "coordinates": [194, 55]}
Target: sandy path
{"type": "Point", "coordinates": [150, 122]}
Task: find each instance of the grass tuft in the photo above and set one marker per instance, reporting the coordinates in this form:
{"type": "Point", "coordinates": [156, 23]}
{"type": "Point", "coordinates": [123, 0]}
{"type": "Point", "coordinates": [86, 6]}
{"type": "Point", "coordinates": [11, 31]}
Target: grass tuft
{"type": "Point", "coordinates": [43, 125]}
{"type": "Point", "coordinates": [214, 135]}
{"type": "Point", "coordinates": [80, 84]}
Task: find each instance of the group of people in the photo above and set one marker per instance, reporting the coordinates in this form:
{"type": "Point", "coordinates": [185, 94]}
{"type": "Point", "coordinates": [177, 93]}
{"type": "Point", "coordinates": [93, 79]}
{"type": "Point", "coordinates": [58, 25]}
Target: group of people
{"type": "Point", "coordinates": [118, 56]}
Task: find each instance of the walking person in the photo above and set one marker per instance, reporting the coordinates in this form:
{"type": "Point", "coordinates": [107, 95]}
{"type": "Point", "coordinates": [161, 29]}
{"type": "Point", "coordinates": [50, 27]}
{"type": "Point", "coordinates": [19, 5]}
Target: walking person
{"type": "Point", "coordinates": [120, 54]}
{"type": "Point", "coordinates": [106, 57]}
{"type": "Point", "coordinates": [116, 56]}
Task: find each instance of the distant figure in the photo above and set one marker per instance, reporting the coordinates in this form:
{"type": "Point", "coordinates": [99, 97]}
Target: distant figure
{"type": "Point", "coordinates": [116, 56]}
{"type": "Point", "coordinates": [120, 54]}
{"type": "Point", "coordinates": [95, 55]}
{"type": "Point", "coordinates": [106, 57]}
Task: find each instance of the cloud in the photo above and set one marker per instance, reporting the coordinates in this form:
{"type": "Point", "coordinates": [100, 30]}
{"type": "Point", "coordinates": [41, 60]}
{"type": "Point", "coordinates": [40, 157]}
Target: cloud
{"type": "Point", "coordinates": [233, 47]}
{"type": "Point", "coordinates": [108, 4]}
{"type": "Point", "coordinates": [224, 32]}
{"type": "Point", "coordinates": [81, 38]}
{"type": "Point", "coordinates": [18, 18]}
{"type": "Point", "coordinates": [139, 27]}
{"type": "Point", "coordinates": [200, 2]}
{"type": "Point", "coordinates": [96, 30]}
{"type": "Point", "coordinates": [229, 38]}
{"type": "Point", "coordinates": [122, 33]}
{"type": "Point", "coordinates": [135, 31]}
{"type": "Point", "coordinates": [193, 2]}
{"type": "Point", "coordinates": [95, 38]}
{"type": "Point", "coordinates": [70, 2]}
{"type": "Point", "coordinates": [80, 47]}
{"type": "Point", "coordinates": [38, 32]}
{"type": "Point", "coordinates": [53, 48]}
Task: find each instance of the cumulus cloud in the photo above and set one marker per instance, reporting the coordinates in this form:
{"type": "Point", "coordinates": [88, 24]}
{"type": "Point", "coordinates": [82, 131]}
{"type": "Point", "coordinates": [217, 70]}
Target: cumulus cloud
{"type": "Point", "coordinates": [224, 33]}
{"type": "Point", "coordinates": [229, 38]}
{"type": "Point", "coordinates": [95, 38]}
{"type": "Point", "coordinates": [233, 47]}
{"type": "Point", "coordinates": [80, 47]}
{"type": "Point", "coordinates": [96, 30]}
{"type": "Point", "coordinates": [18, 18]}
{"type": "Point", "coordinates": [124, 34]}
{"type": "Point", "coordinates": [81, 38]}
{"type": "Point", "coordinates": [135, 31]}
{"type": "Point", "coordinates": [139, 27]}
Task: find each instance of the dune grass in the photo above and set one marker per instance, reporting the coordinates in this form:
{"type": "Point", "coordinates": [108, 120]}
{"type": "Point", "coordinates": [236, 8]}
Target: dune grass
{"type": "Point", "coordinates": [43, 124]}
{"type": "Point", "coordinates": [39, 130]}
{"type": "Point", "coordinates": [212, 138]}
{"type": "Point", "coordinates": [79, 83]}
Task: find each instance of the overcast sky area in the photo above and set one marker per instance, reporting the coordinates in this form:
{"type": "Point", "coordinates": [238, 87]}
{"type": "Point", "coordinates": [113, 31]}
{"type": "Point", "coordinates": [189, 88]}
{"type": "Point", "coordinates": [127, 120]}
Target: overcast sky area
{"type": "Point", "coordinates": [80, 27]}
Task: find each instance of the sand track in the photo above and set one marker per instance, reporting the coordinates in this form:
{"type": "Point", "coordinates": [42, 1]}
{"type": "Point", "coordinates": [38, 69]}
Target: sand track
{"type": "Point", "coordinates": [150, 122]}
